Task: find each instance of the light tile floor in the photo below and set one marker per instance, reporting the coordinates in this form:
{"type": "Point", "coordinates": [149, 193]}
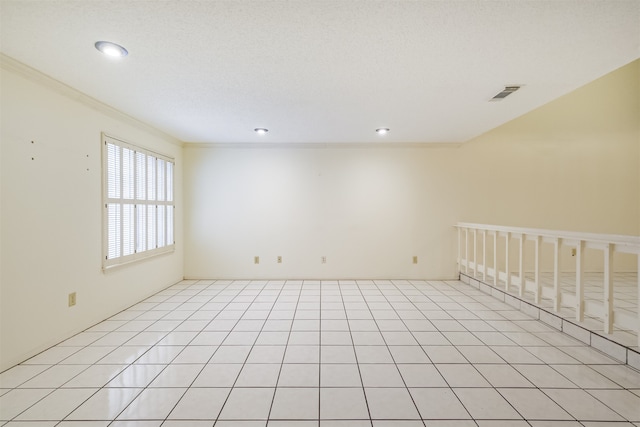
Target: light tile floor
{"type": "Point", "coordinates": [625, 300]}
{"type": "Point", "coordinates": [328, 354]}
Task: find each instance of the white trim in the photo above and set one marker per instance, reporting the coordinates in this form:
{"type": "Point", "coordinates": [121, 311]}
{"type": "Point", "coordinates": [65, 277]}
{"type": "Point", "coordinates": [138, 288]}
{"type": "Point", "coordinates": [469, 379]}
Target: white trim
{"type": "Point", "coordinates": [136, 147]}
{"type": "Point", "coordinates": [625, 242]}
{"type": "Point", "coordinates": [131, 259]}
{"type": "Point", "coordinates": [137, 203]}
{"type": "Point", "coordinates": [608, 244]}
{"type": "Point", "coordinates": [10, 64]}
{"type": "Point", "coordinates": [322, 145]}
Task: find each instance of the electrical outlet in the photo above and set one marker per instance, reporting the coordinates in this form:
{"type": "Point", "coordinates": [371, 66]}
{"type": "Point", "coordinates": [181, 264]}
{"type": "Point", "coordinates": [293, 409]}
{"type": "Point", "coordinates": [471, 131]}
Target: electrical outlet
{"type": "Point", "coordinates": [573, 251]}
{"type": "Point", "coordinates": [72, 299]}
{"type": "Point", "coordinates": [256, 260]}
{"type": "Point", "coordinates": [279, 260]}
{"type": "Point", "coordinates": [415, 259]}
{"type": "Point", "coordinates": [323, 260]}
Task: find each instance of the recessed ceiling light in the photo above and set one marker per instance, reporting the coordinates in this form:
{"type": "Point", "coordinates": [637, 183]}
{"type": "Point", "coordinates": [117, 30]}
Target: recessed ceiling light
{"type": "Point", "coordinates": [382, 131]}
{"type": "Point", "coordinates": [111, 49]}
{"type": "Point", "coordinates": [261, 131]}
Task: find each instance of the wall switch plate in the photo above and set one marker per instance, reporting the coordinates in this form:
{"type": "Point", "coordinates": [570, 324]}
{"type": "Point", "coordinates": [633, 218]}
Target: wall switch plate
{"type": "Point", "coordinates": [415, 259]}
{"type": "Point", "coordinates": [279, 260]}
{"type": "Point", "coordinates": [256, 260]}
{"type": "Point", "coordinates": [72, 299]}
{"type": "Point", "coordinates": [323, 260]}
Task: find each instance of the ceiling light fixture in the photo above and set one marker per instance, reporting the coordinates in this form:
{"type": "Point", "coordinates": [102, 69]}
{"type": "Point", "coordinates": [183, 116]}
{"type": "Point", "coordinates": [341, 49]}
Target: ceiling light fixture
{"type": "Point", "coordinates": [382, 131]}
{"type": "Point", "coordinates": [111, 49]}
{"type": "Point", "coordinates": [261, 131]}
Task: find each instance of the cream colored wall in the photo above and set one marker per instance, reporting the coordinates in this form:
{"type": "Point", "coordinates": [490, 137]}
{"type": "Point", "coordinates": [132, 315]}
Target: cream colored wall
{"type": "Point", "coordinates": [369, 210]}
{"type": "Point", "coordinates": [51, 218]}
{"type": "Point", "coordinates": [569, 165]}
{"type": "Point", "coordinates": [572, 164]}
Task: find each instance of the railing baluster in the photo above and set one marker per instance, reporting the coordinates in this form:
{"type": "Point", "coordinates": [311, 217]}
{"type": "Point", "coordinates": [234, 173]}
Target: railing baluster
{"type": "Point", "coordinates": [466, 250]}
{"type": "Point", "coordinates": [610, 244]}
{"type": "Point", "coordinates": [507, 273]}
{"type": "Point", "coordinates": [475, 252]}
{"type": "Point", "coordinates": [521, 265]}
{"type": "Point", "coordinates": [459, 248]}
{"type": "Point", "coordinates": [556, 274]}
{"type": "Point", "coordinates": [538, 284]}
{"type": "Point", "coordinates": [608, 289]}
{"type": "Point", "coordinates": [580, 281]}
{"type": "Point", "coordinates": [495, 258]}
{"type": "Point", "coordinates": [484, 256]}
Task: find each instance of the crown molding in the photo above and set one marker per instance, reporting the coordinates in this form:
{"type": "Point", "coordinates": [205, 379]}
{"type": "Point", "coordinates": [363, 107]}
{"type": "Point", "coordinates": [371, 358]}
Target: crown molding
{"type": "Point", "coordinates": [9, 64]}
{"type": "Point", "coordinates": [327, 145]}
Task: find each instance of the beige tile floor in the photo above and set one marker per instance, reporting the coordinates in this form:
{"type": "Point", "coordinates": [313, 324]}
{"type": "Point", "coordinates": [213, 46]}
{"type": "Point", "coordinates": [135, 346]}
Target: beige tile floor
{"type": "Point", "coordinates": [328, 354]}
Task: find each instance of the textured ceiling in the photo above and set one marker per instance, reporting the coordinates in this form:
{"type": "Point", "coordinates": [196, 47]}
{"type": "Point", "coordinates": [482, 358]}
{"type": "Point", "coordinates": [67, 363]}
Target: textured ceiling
{"type": "Point", "coordinates": [323, 70]}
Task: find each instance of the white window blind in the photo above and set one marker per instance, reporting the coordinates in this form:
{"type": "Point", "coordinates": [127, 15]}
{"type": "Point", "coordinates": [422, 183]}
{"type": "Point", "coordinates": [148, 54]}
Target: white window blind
{"type": "Point", "coordinates": [138, 202]}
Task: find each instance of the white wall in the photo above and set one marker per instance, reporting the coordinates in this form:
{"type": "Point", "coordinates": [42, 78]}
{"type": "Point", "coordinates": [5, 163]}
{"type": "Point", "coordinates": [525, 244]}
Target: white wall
{"type": "Point", "coordinates": [51, 216]}
{"type": "Point", "coordinates": [369, 210]}
{"type": "Point", "coordinates": [569, 165]}
{"type": "Point", "coordinates": [572, 164]}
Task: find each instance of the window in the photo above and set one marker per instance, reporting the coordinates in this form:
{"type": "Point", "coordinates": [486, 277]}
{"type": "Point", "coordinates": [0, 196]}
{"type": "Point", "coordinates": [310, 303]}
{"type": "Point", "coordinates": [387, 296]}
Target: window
{"type": "Point", "coordinates": [138, 202]}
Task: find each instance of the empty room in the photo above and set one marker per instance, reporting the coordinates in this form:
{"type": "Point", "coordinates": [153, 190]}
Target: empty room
{"type": "Point", "coordinates": [329, 213]}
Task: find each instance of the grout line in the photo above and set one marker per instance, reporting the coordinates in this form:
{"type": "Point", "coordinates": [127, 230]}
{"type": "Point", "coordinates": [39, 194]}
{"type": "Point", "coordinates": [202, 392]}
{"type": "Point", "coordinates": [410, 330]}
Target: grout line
{"type": "Point", "coordinates": [174, 357]}
{"type": "Point", "coordinates": [284, 353]}
{"type": "Point", "coordinates": [626, 349]}
{"type": "Point", "coordinates": [95, 363]}
{"type": "Point", "coordinates": [422, 348]}
{"type": "Point", "coordinates": [552, 366]}
{"type": "Point", "coordinates": [395, 294]}
{"type": "Point", "coordinates": [353, 347]}
{"type": "Point", "coordinates": [252, 346]}
{"type": "Point", "coordinates": [320, 351]}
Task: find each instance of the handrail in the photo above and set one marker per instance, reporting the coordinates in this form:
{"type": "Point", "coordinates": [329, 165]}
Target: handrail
{"type": "Point", "coordinates": [471, 263]}
{"type": "Point", "coordinates": [616, 239]}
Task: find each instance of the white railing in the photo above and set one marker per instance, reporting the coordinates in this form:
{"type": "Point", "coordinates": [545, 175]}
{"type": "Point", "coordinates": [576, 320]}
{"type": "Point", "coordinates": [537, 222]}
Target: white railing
{"type": "Point", "coordinates": [473, 261]}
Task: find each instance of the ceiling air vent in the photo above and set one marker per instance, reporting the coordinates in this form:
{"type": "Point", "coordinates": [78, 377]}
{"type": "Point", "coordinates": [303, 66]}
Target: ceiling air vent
{"type": "Point", "coordinates": [508, 90]}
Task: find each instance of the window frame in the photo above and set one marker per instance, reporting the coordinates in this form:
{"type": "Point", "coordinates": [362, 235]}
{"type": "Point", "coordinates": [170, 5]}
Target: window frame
{"type": "Point", "coordinates": [133, 199]}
